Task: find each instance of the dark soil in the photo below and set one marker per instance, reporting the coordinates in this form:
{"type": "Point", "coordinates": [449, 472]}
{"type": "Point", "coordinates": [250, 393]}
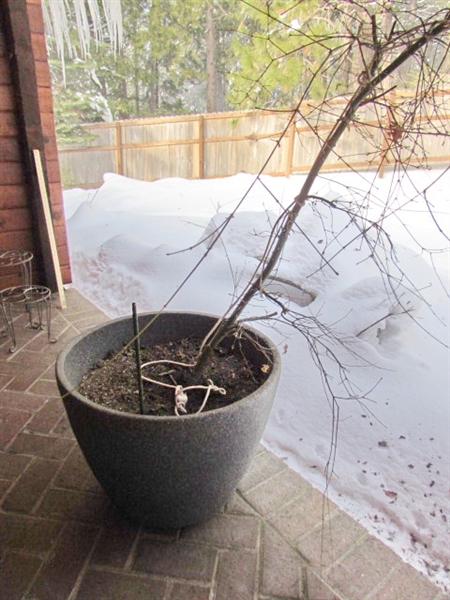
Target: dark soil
{"type": "Point", "coordinates": [113, 382]}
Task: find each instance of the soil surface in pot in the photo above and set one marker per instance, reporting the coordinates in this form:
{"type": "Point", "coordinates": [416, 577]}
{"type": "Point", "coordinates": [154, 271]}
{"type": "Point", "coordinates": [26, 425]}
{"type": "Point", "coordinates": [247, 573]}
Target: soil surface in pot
{"type": "Point", "coordinates": [113, 382]}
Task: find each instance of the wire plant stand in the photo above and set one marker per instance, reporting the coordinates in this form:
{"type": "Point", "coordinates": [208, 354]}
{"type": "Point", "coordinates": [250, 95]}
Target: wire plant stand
{"type": "Point", "coordinates": [17, 258]}
{"type": "Point", "coordinates": [34, 299]}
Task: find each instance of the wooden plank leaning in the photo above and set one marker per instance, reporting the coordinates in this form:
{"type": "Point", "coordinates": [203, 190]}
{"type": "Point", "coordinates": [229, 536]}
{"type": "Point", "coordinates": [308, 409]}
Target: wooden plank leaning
{"type": "Point", "coordinates": [49, 224]}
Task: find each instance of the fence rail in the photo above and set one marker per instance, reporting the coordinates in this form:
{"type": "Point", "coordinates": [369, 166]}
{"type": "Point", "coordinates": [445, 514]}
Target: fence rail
{"type": "Point", "coordinates": [222, 144]}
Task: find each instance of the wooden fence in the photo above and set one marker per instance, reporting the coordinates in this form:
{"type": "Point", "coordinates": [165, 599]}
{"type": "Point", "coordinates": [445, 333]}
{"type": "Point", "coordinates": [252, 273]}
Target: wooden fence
{"type": "Point", "coordinates": [222, 144]}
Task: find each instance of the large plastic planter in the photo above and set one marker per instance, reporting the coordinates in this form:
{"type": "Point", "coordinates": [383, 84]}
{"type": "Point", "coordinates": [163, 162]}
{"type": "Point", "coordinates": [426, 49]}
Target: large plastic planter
{"type": "Point", "coordinates": [164, 472]}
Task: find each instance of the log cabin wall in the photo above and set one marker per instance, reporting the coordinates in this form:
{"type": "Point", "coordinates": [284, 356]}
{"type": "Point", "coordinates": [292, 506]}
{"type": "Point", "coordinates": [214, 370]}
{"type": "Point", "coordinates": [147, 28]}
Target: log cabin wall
{"type": "Point", "coordinates": [26, 123]}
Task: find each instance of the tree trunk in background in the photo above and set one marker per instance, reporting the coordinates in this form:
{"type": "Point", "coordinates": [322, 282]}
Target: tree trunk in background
{"type": "Point", "coordinates": [154, 87]}
{"type": "Point", "coordinates": [211, 75]}
{"type": "Point", "coordinates": [137, 106]}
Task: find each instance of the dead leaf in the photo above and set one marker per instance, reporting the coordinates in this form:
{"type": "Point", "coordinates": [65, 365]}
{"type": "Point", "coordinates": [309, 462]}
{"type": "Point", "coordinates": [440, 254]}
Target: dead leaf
{"type": "Point", "coordinates": [390, 494]}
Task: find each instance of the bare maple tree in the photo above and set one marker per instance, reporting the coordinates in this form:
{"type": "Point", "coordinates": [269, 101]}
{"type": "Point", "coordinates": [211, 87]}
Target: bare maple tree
{"type": "Point", "coordinates": [370, 49]}
{"type": "Point", "coordinates": [375, 50]}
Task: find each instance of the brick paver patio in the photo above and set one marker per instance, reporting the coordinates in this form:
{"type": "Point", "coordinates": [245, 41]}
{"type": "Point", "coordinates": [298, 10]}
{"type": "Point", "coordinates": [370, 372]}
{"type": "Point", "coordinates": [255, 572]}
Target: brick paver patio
{"type": "Point", "coordinates": [278, 538]}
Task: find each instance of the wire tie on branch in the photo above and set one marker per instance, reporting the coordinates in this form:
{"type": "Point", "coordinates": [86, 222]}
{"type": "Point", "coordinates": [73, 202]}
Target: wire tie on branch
{"type": "Point", "coordinates": [181, 398]}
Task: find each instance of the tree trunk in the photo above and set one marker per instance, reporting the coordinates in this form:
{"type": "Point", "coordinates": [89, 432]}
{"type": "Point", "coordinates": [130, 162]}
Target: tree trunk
{"type": "Point", "coordinates": [211, 75]}
{"type": "Point", "coordinates": [154, 87]}
{"type": "Point", "coordinates": [367, 88]}
{"type": "Point", "coordinates": [137, 107]}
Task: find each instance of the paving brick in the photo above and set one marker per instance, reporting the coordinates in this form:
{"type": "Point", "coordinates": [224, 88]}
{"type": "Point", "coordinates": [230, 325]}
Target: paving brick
{"type": "Point", "coordinates": [404, 584]}
{"type": "Point", "coordinates": [24, 356]}
{"type": "Point", "coordinates": [44, 387]}
{"type": "Point", "coordinates": [281, 566]}
{"type": "Point", "coordinates": [304, 513]}
{"type": "Point", "coordinates": [193, 562]}
{"type": "Point", "coordinates": [49, 374]}
{"type": "Point", "coordinates": [275, 492]}
{"type": "Point", "coordinates": [23, 335]}
{"type": "Point", "coordinates": [30, 486]}
{"type": "Point", "coordinates": [12, 465]}
{"type": "Point", "coordinates": [87, 321]}
{"type": "Point", "coordinates": [69, 332]}
{"type": "Point", "coordinates": [5, 378]}
{"type": "Point", "coordinates": [39, 343]}
{"type": "Point", "coordinates": [26, 376]}
{"type": "Point", "coordinates": [58, 317]}
{"type": "Point", "coordinates": [317, 589]}
{"type": "Point", "coordinates": [75, 471]}
{"type": "Point", "coordinates": [76, 303]}
{"type": "Point", "coordinates": [11, 421]}
{"type": "Point", "coordinates": [330, 540]}
{"type": "Point", "coordinates": [236, 575]}
{"type": "Point", "coordinates": [114, 546]}
{"type": "Point", "coordinates": [21, 400]}
{"type": "Point", "coordinates": [92, 485]}
{"type": "Point", "coordinates": [226, 531]}
{"type": "Point", "coordinates": [4, 345]}
{"type": "Point", "coordinates": [5, 484]}
{"type": "Point", "coordinates": [16, 574]}
{"type": "Point", "coordinates": [75, 506]}
{"type": "Point", "coordinates": [63, 428]}
{"type": "Point", "coordinates": [47, 417]}
{"type": "Point", "coordinates": [238, 506]}
{"type": "Point", "coordinates": [28, 533]}
{"type": "Point", "coordinates": [264, 465]}
{"type": "Point", "coordinates": [45, 446]}
{"type": "Point", "coordinates": [162, 536]}
{"type": "Point", "coordinates": [58, 577]}
{"type": "Point", "coordinates": [104, 585]}
{"type": "Point", "coordinates": [6, 367]}
{"type": "Point", "coordinates": [189, 592]}
{"type": "Point", "coordinates": [363, 570]}
{"type": "Point", "coordinates": [59, 323]}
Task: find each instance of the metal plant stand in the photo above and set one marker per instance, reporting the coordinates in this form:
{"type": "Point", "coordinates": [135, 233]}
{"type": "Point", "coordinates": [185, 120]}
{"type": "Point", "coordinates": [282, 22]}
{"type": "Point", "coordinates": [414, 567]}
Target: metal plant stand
{"type": "Point", "coordinates": [29, 297]}
{"type": "Point", "coordinates": [17, 258]}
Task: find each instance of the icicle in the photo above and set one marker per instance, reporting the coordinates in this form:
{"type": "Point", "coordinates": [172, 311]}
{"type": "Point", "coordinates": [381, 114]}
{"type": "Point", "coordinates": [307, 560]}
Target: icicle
{"type": "Point", "coordinates": [57, 15]}
{"type": "Point", "coordinates": [87, 14]}
{"type": "Point", "coordinates": [82, 24]}
{"type": "Point", "coordinates": [113, 14]}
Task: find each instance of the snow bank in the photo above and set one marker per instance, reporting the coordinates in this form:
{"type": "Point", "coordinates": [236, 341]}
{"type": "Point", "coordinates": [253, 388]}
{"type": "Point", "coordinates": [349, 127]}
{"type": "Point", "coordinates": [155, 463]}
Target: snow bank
{"type": "Point", "coordinates": [132, 241]}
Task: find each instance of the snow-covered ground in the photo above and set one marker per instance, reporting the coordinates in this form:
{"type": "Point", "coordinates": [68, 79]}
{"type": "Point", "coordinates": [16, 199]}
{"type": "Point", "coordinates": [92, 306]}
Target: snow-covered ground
{"type": "Point", "coordinates": [133, 241]}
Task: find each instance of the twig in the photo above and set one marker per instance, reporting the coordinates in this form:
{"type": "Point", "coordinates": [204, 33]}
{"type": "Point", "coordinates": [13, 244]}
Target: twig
{"type": "Point", "coordinates": [389, 314]}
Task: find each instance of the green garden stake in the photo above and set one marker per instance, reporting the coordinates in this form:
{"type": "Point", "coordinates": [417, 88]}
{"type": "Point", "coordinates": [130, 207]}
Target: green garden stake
{"type": "Point", "coordinates": [137, 353]}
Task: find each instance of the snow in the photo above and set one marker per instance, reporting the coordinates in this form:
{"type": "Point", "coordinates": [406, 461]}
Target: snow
{"type": "Point", "coordinates": [133, 241]}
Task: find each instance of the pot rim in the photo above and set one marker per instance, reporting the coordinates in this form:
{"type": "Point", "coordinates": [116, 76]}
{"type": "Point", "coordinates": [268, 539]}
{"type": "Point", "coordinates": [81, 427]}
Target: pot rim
{"type": "Point", "coordinates": [60, 373]}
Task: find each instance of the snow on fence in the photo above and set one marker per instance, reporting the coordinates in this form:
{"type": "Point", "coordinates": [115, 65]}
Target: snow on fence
{"type": "Point", "coordinates": [222, 144]}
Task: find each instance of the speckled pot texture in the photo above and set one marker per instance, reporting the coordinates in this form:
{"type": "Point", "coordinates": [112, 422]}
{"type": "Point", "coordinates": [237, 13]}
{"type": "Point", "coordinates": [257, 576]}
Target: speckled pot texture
{"type": "Point", "coordinates": [164, 472]}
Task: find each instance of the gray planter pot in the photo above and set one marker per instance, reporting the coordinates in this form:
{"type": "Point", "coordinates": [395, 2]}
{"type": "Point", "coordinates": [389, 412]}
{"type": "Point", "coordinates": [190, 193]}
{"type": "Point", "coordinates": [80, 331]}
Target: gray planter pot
{"type": "Point", "coordinates": [165, 472]}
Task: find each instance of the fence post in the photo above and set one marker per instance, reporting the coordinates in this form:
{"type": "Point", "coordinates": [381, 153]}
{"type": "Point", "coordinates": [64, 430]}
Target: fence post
{"type": "Point", "coordinates": [201, 144]}
{"type": "Point", "coordinates": [118, 144]}
{"type": "Point", "coordinates": [290, 148]}
{"type": "Point", "coordinates": [199, 164]}
{"type": "Point", "coordinates": [385, 132]}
